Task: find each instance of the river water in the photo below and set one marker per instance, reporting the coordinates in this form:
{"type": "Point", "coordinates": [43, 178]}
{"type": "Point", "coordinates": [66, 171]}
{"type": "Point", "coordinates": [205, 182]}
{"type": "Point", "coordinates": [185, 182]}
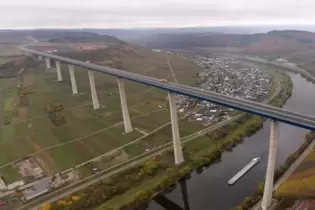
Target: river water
{"type": "Point", "coordinates": [210, 191]}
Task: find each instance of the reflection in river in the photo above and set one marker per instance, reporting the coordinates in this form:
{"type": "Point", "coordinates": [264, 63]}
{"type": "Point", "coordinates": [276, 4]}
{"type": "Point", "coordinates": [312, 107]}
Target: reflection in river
{"type": "Point", "coordinates": [168, 204]}
{"type": "Point", "coordinates": [209, 190]}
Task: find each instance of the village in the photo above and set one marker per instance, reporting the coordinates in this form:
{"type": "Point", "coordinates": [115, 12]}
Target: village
{"type": "Point", "coordinates": [226, 76]}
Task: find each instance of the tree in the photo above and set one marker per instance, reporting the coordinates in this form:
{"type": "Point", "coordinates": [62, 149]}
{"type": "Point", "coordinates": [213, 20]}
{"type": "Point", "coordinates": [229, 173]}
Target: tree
{"type": "Point", "coordinates": [7, 121]}
{"type": "Point", "coordinates": [53, 109]}
{"type": "Point", "coordinates": [46, 206]}
{"type": "Point", "coordinates": [143, 195]}
{"type": "Point", "coordinates": [18, 192]}
{"type": "Point", "coordinates": [260, 188]}
{"type": "Point", "coordinates": [62, 203]}
{"type": "Point", "coordinates": [75, 198]}
{"type": "Point", "coordinates": [148, 167]}
{"type": "Point", "coordinates": [238, 208]}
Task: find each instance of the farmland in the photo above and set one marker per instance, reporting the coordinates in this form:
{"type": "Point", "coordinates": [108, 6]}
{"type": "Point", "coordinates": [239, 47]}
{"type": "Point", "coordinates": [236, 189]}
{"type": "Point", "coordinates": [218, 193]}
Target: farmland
{"type": "Point", "coordinates": [301, 182]}
{"type": "Point", "coordinates": [28, 130]}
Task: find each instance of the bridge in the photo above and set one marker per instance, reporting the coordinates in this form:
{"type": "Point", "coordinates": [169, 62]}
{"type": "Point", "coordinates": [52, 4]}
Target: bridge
{"type": "Point", "coordinates": [273, 113]}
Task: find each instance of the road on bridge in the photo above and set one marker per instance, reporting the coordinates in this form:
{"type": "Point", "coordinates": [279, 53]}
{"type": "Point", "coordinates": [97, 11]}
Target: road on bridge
{"type": "Point", "coordinates": [270, 112]}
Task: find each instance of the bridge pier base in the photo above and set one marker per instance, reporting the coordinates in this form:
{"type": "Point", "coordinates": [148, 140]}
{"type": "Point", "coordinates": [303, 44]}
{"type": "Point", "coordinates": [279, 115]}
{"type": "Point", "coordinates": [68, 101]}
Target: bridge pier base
{"type": "Point", "coordinates": [59, 75]}
{"type": "Point", "coordinates": [268, 189]}
{"type": "Point", "coordinates": [72, 78]}
{"type": "Point", "coordinates": [47, 60]}
{"type": "Point", "coordinates": [178, 153]}
{"type": "Point", "coordinates": [40, 57]}
{"type": "Point", "coordinates": [96, 104]}
{"type": "Point", "coordinates": [124, 107]}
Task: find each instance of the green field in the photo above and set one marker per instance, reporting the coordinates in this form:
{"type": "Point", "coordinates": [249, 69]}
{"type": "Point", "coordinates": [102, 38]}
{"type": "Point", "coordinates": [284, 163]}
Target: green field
{"type": "Point", "coordinates": [89, 133]}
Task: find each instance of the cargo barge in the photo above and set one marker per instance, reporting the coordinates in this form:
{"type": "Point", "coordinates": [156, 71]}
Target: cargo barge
{"type": "Point", "coordinates": [244, 170]}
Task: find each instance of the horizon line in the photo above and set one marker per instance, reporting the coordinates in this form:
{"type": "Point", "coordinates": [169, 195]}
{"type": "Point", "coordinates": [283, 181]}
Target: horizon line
{"type": "Point", "coordinates": [160, 27]}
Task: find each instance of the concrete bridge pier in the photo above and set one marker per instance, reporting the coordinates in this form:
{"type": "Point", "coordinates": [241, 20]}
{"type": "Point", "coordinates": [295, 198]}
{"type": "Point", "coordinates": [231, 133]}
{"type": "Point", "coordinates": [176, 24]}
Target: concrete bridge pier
{"type": "Point", "coordinates": [59, 75]}
{"type": "Point", "coordinates": [124, 107]}
{"type": "Point", "coordinates": [72, 78]}
{"type": "Point", "coordinates": [47, 60]}
{"type": "Point", "coordinates": [268, 189]}
{"type": "Point", "coordinates": [96, 104]}
{"type": "Point", "coordinates": [40, 57]}
{"type": "Point", "coordinates": [166, 203]}
{"type": "Point", "coordinates": [178, 153]}
{"type": "Point", "coordinates": [183, 187]}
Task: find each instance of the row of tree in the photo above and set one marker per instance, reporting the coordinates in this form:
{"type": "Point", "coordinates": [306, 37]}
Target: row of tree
{"type": "Point", "coordinates": [97, 194]}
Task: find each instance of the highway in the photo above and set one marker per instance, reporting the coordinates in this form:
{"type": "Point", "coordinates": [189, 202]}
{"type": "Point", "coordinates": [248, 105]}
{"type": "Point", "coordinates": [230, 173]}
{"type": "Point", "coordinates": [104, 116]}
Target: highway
{"type": "Point", "coordinates": [267, 111]}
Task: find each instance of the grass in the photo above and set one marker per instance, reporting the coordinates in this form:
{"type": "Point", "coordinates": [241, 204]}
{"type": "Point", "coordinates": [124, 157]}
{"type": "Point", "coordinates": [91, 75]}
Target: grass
{"type": "Point", "coordinates": [8, 148]}
{"type": "Point", "coordinates": [156, 120]}
{"type": "Point", "coordinates": [10, 174]}
{"type": "Point", "coordinates": [285, 204]}
{"type": "Point", "coordinates": [311, 156]}
{"type": "Point", "coordinates": [302, 181]}
{"type": "Point", "coordinates": [203, 144]}
{"type": "Point", "coordinates": [179, 63]}
{"type": "Point", "coordinates": [9, 90]}
{"type": "Point", "coordinates": [90, 147]}
{"type": "Point", "coordinates": [297, 185]}
{"type": "Point", "coordinates": [104, 162]}
{"type": "Point", "coordinates": [115, 202]}
{"type": "Point", "coordinates": [135, 149]}
{"type": "Point", "coordinates": [4, 59]}
{"type": "Point", "coordinates": [8, 104]}
{"type": "Point", "coordinates": [163, 136]}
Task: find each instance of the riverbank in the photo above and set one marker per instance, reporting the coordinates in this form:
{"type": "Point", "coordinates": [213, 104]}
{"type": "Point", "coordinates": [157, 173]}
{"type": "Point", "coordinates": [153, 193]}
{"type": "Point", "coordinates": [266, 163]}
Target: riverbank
{"type": "Point", "coordinates": [277, 65]}
{"type": "Point", "coordinates": [198, 153]}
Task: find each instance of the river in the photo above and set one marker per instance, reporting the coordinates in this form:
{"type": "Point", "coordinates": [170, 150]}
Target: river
{"type": "Point", "coordinates": [210, 191]}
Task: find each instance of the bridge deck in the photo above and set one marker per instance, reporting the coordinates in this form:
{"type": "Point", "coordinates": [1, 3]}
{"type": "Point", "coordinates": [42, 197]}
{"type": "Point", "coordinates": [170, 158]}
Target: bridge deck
{"type": "Point", "coordinates": [267, 111]}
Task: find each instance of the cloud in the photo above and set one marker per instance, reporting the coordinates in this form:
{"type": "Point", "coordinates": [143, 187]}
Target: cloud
{"type": "Point", "coordinates": [126, 13]}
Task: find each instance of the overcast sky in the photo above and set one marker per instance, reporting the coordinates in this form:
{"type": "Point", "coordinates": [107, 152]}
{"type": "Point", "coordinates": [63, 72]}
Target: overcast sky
{"type": "Point", "coordinates": [152, 13]}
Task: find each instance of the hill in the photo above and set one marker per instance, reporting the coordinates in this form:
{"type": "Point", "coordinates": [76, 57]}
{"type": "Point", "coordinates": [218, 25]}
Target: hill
{"type": "Point", "coordinates": [67, 40]}
{"type": "Point", "coordinates": [80, 37]}
{"type": "Point", "coordinates": [55, 35]}
{"type": "Point", "coordinates": [134, 34]}
{"type": "Point", "coordinates": [274, 42]}
{"type": "Point", "coordinates": [70, 41]}
{"type": "Point", "coordinates": [283, 42]}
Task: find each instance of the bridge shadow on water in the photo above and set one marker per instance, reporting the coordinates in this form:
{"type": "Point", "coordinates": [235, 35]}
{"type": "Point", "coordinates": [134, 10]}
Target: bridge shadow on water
{"type": "Point", "coordinates": [164, 202]}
